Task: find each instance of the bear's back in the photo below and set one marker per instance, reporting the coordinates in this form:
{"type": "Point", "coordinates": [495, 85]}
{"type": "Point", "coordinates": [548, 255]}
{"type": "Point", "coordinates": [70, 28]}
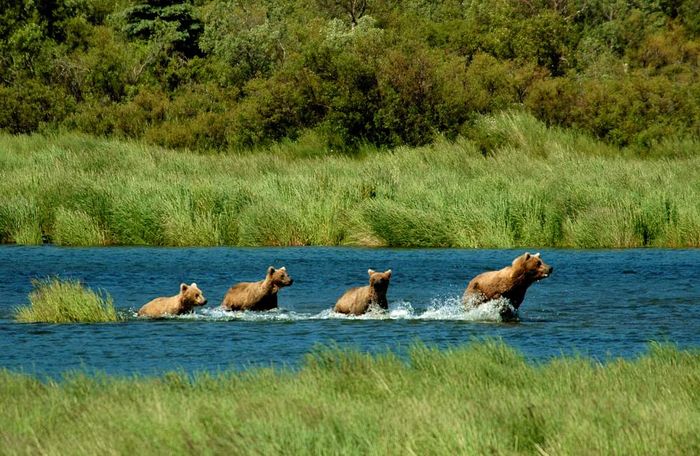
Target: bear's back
{"type": "Point", "coordinates": [161, 306]}
{"type": "Point", "coordinates": [354, 301]}
{"type": "Point", "coordinates": [249, 296]}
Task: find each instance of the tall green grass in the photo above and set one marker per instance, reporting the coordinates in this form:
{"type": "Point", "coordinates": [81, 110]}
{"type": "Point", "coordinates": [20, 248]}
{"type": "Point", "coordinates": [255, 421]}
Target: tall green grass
{"type": "Point", "coordinates": [480, 399]}
{"type": "Point", "coordinates": [515, 183]}
{"type": "Point", "coordinates": [66, 301]}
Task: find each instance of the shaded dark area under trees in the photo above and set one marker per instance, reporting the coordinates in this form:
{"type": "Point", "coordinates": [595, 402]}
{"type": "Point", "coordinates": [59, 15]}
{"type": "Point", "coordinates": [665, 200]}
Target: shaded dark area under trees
{"type": "Point", "coordinates": [218, 74]}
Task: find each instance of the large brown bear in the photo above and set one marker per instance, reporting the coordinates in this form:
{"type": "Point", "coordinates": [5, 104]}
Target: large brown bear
{"type": "Point", "coordinates": [260, 295]}
{"type": "Point", "coordinates": [510, 282]}
{"type": "Point", "coordinates": [357, 301]}
{"type": "Point", "coordinates": [189, 297]}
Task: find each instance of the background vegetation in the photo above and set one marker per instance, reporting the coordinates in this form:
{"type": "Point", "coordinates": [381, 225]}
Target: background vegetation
{"type": "Point", "coordinates": [518, 184]}
{"type": "Point", "coordinates": [237, 74]}
{"type": "Point", "coordinates": [66, 301]}
{"type": "Point", "coordinates": [480, 399]}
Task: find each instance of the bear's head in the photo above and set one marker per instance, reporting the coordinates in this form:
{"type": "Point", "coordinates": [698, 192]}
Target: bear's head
{"type": "Point", "coordinates": [279, 277]}
{"type": "Point", "coordinates": [379, 279]}
{"type": "Point", "coordinates": [192, 295]}
{"type": "Point", "coordinates": [531, 267]}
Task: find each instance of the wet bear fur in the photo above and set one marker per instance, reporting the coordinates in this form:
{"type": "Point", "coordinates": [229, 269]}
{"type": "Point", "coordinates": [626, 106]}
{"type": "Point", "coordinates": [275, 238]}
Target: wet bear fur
{"type": "Point", "coordinates": [510, 282]}
{"type": "Point", "coordinates": [260, 295]}
{"type": "Point", "coordinates": [356, 301]}
{"type": "Point", "coordinates": [190, 296]}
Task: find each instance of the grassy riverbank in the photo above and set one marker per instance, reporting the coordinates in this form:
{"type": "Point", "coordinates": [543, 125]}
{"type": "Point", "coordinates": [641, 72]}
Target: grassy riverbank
{"type": "Point", "coordinates": [518, 184]}
{"type": "Point", "coordinates": [480, 399]}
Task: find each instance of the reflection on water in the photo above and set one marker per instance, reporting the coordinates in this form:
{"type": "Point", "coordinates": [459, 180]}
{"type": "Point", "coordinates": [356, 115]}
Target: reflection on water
{"type": "Point", "coordinates": [597, 303]}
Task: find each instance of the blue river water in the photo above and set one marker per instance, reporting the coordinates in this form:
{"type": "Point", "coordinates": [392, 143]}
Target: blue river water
{"type": "Point", "coordinates": [603, 303]}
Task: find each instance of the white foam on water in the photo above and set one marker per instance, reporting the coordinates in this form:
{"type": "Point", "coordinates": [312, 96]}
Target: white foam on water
{"type": "Point", "coordinates": [374, 313]}
{"type": "Point", "coordinates": [402, 310]}
{"type": "Point", "coordinates": [218, 313]}
{"type": "Point", "coordinates": [445, 308]}
{"type": "Point", "coordinates": [490, 310]}
{"type": "Point", "coordinates": [452, 308]}
{"type": "Point", "coordinates": [448, 308]}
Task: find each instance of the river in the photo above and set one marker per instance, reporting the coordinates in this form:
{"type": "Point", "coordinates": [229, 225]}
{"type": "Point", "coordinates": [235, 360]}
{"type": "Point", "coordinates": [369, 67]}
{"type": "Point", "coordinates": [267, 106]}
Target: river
{"type": "Point", "coordinates": [598, 303]}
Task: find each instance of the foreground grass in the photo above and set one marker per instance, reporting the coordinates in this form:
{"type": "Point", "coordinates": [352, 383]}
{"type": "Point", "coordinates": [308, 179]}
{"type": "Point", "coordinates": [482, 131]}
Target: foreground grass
{"type": "Point", "coordinates": [480, 399]}
{"type": "Point", "coordinates": [66, 301]}
{"type": "Point", "coordinates": [517, 184]}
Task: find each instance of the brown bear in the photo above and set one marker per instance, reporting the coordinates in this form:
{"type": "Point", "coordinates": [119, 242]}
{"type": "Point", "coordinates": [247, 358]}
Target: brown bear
{"type": "Point", "coordinates": [357, 301]}
{"type": "Point", "coordinates": [260, 295]}
{"type": "Point", "coordinates": [189, 297]}
{"type": "Point", "coordinates": [510, 282]}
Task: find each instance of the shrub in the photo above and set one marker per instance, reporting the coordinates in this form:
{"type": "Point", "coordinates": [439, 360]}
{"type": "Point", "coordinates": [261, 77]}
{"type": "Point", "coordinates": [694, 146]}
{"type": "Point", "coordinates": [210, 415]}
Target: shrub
{"type": "Point", "coordinates": [66, 301]}
{"type": "Point", "coordinates": [25, 106]}
{"type": "Point", "coordinates": [408, 87]}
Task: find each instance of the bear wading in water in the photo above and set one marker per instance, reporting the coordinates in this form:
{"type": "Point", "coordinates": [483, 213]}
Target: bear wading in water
{"type": "Point", "coordinates": [260, 295]}
{"type": "Point", "coordinates": [189, 297]}
{"type": "Point", "coordinates": [510, 283]}
{"type": "Point", "coordinates": [357, 301]}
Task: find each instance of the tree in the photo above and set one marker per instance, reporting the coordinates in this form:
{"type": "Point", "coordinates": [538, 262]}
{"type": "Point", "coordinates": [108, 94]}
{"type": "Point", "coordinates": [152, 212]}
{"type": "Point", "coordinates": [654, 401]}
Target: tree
{"type": "Point", "coordinates": [355, 9]}
{"type": "Point", "coordinates": [175, 19]}
{"type": "Point", "coordinates": [244, 38]}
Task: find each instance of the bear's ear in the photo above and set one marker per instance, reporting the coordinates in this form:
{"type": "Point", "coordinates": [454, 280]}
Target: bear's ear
{"type": "Point", "coordinates": [194, 285]}
{"type": "Point", "coordinates": [370, 272]}
{"type": "Point", "coordinates": [518, 261]}
{"type": "Point", "coordinates": [183, 287]}
{"type": "Point", "coordinates": [537, 255]}
{"type": "Point", "coordinates": [270, 270]}
{"type": "Point", "coordinates": [283, 268]}
{"type": "Point", "coordinates": [388, 272]}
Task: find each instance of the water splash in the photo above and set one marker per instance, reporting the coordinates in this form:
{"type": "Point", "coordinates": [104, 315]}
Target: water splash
{"type": "Point", "coordinates": [401, 310]}
{"type": "Point", "coordinates": [444, 308]}
{"type": "Point", "coordinates": [218, 313]}
{"type": "Point", "coordinates": [452, 308]}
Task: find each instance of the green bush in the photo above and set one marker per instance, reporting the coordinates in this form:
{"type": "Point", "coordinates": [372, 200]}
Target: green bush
{"type": "Point", "coordinates": [224, 74]}
{"type": "Point", "coordinates": [619, 111]}
{"type": "Point", "coordinates": [66, 301]}
{"type": "Point", "coordinates": [27, 106]}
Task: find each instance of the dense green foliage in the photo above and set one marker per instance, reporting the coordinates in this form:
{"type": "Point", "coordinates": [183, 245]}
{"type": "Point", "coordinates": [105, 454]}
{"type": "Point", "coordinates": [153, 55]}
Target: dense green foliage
{"type": "Point", "coordinates": [519, 184]}
{"type": "Point", "coordinates": [66, 301]}
{"type": "Point", "coordinates": [480, 399]}
{"type": "Point", "coordinates": [238, 73]}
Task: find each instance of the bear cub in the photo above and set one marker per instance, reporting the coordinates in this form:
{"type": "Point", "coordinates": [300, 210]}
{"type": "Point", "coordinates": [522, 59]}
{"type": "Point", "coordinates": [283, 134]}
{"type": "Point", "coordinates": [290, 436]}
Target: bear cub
{"type": "Point", "coordinates": [510, 282]}
{"type": "Point", "coordinates": [260, 295]}
{"type": "Point", "coordinates": [357, 301]}
{"type": "Point", "coordinates": [189, 297]}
